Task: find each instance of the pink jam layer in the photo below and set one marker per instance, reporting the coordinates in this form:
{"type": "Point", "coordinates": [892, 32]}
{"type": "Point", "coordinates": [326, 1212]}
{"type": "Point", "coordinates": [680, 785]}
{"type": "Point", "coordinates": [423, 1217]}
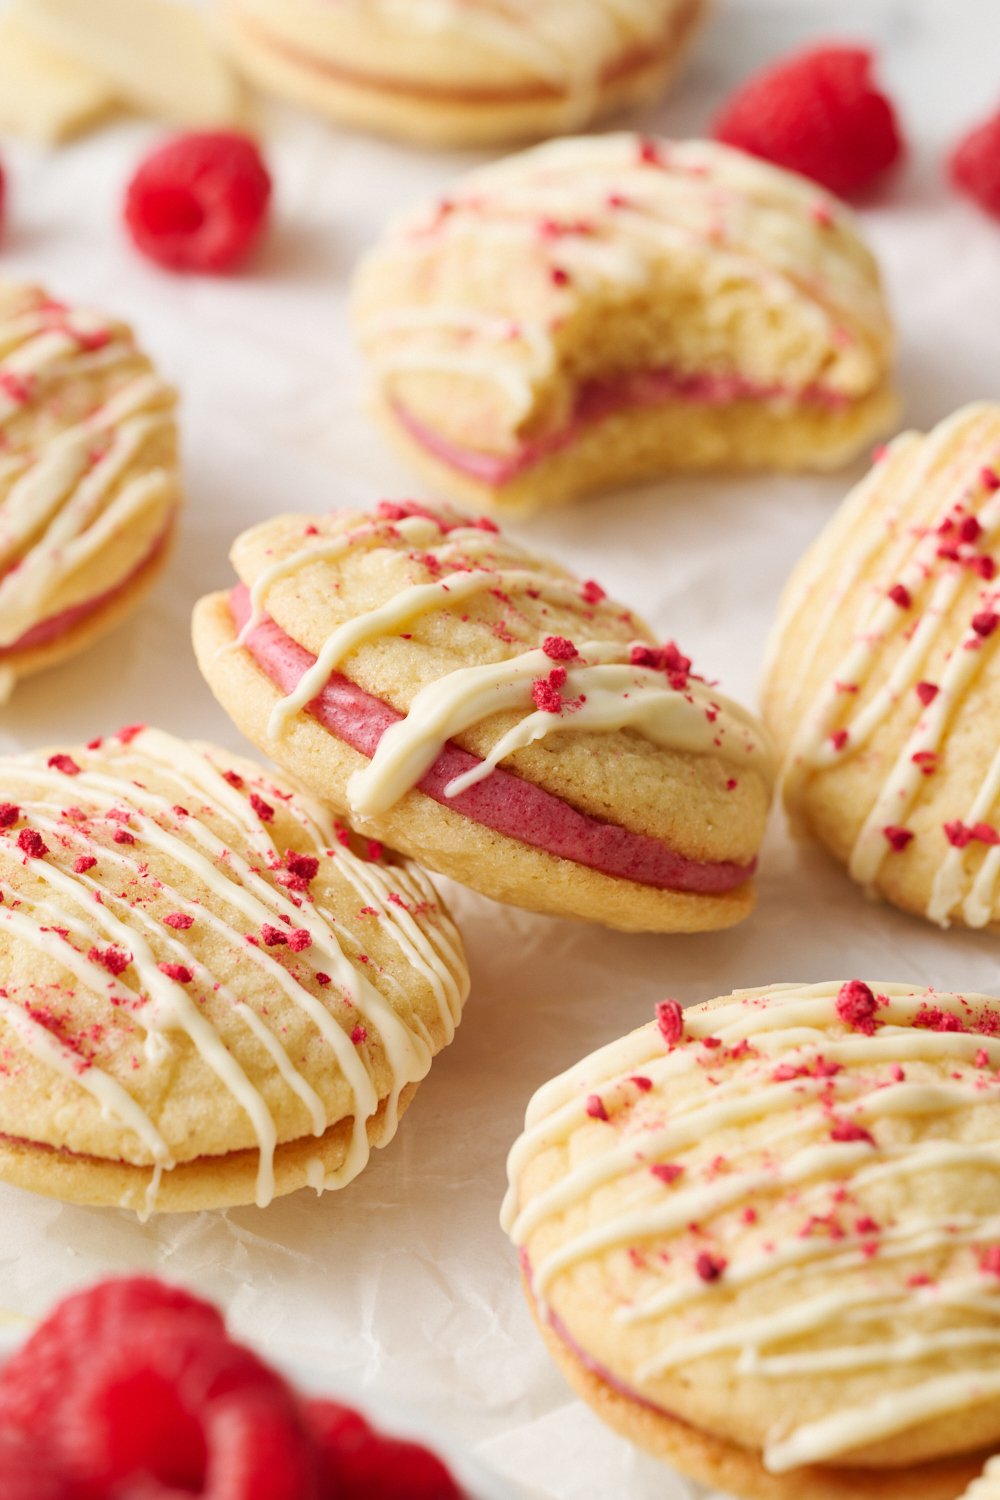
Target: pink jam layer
{"type": "Point", "coordinates": [57, 625]}
{"type": "Point", "coordinates": [601, 398]}
{"type": "Point", "coordinates": [502, 801]}
{"type": "Point", "coordinates": [564, 1337]}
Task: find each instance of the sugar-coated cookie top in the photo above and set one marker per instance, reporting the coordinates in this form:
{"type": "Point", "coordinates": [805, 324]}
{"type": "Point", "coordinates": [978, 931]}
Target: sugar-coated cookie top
{"type": "Point", "coordinates": [565, 44]}
{"type": "Point", "coordinates": [87, 458]}
{"type": "Point", "coordinates": [885, 673]}
{"type": "Point", "coordinates": [193, 961]}
{"type": "Point", "coordinates": [548, 257]}
{"type": "Point", "coordinates": [475, 639]}
{"type": "Point", "coordinates": [775, 1217]}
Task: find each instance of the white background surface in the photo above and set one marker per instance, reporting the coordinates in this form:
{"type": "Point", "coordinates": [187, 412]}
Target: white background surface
{"type": "Point", "coordinates": [403, 1284]}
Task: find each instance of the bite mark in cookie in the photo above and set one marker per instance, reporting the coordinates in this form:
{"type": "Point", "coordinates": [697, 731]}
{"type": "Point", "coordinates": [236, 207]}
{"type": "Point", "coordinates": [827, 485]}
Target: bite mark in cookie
{"type": "Point", "coordinates": [595, 311]}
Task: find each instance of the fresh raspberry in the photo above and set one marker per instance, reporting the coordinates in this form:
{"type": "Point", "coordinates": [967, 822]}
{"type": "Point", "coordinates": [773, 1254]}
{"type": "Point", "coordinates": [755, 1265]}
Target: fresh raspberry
{"type": "Point", "coordinates": [974, 165]}
{"type": "Point", "coordinates": [42, 1373]}
{"type": "Point", "coordinates": [174, 1410]}
{"type": "Point", "coordinates": [199, 202]}
{"type": "Point", "coordinates": [817, 113]}
{"type": "Point", "coordinates": [361, 1464]}
{"type": "Point", "coordinates": [26, 1473]}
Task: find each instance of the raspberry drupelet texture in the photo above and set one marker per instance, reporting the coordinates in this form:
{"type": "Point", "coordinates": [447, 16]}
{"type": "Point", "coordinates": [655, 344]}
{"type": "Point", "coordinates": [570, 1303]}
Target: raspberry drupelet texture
{"type": "Point", "coordinates": [974, 166]}
{"type": "Point", "coordinates": [817, 113]}
{"type": "Point", "coordinates": [199, 202]}
{"type": "Point", "coordinates": [133, 1388]}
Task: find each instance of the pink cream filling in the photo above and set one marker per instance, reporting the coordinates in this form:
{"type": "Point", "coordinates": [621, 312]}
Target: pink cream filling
{"type": "Point", "coordinates": [599, 398]}
{"type": "Point", "coordinates": [57, 625]}
{"type": "Point", "coordinates": [502, 801]}
{"type": "Point", "coordinates": [562, 1333]}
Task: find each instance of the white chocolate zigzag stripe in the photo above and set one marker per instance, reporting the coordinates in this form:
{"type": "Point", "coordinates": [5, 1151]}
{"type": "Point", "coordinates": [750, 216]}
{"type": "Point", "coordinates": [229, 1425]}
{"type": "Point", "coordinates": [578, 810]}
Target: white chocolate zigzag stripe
{"type": "Point", "coordinates": [66, 494]}
{"type": "Point", "coordinates": [780, 1150]}
{"type": "Point", "coordinates": [90, 913]}
{"type": "Point", "coordinates": [829, 732]}
{"type": "Point", "coordinates": [603, 690]}
{"type": "Point", "coordinates": [601, 215]}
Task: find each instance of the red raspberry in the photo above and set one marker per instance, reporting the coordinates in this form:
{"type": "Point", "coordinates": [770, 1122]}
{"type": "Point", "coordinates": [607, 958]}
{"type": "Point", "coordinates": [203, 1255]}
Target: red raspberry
{"type": "Point", "coordinates": [190, 1414]}
{"type": "Point", "coordinates": [199, 202]}
{"type": "Point", "coordinates": [817, 113]}
{"type": "Point", "coordinates": [26, 1473]}
{"type": "Point", "coordinates": [361, 1464]}
{"type": "Point", "coordinates": [975, 165]}
{"type": "Point", "coordinates": [37, 1379]}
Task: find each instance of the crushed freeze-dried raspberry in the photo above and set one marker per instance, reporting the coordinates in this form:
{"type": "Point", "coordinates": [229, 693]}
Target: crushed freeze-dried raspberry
{"type": "Point", "coordinates": [375, 849]}
{"type": "Point", "coordinates": [818, 113]}
{"type": "Point", "coordinates": [31, 843]}
{"type": "Point", "coordinates": [199, 202]}
{"type": "Point", "coordinates": [670, 1020]}
{"type": "Point", "coordinates": [900, 594]}
{"type": "Point", "coordinates": [667, 658]}
{"type": "Point", "coordinates": [84, 863]}
{"type": "Point", "coordinates": [957, 834]}
{"type": "Point", "coordinates": [595, 1107]}
{"type": "Point", "coordinates": [970, 529]}
{"type": "Point", "coordinates": [558, 648]}
{"type": "Point", "coordinates": [591, 592]}
{"type": "Point", "coordinates": [179, 972]}
{"type": "Point", "coordinates": [897, 838]}
{"type": "Point", "coordinates": [305, 866]}
{"type": "Point", "coordinates": [264, 810]}
{"type": "Point", "coordinates": [129, 732]}
{"type": "Point", "coordinates": [299, 940]}
{"type": "Point", "coordinates": [274, 937]}
{"type": "Point", "coordinates": [927, 692]}
{"type": "Point", "coordinates": [990, 479]}
{"type": "Point", "coordinates": [64, 763]}
{"type": "Point", "coordinates": [9, 814]}
{"type": "Point", "coordinates": [122, 836]}
{"type": "Point", "coordinates": [234, 778]}
{"type": "Point", "coordinates": [985, 833]}
{"type": "Point", "coordinates": [974, 165]}
{"type": "Point", "coordinates": [710, 1267]}
{"type": "Point", "coordinates": [359, 1035]}
{"type": "Point", "coordinates": [839, 738]}
{"type": "Point", "coordinates": [546, 691]}
{"type": "Point", "coordinates": [934, 1018]}
{"type": "Point", "coordinates": [857, 1006]}
{"type": "Point", "coordinates": [667, 1171]}
{"type": "Point", "coordinates": [179, 920]}
{"type": "Point", "coordinates": [115, 960]}
{"type": "Point", "coordinates": [985, 622]}
{"type": "Point", "coordinates": [849, 1130]}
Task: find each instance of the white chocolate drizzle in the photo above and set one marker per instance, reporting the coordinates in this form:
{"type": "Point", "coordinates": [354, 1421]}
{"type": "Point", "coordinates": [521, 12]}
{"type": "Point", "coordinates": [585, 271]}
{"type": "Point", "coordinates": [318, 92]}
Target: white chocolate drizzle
{"type": "Point", "coordinates": [73, 915]}
{"type": "Point", "coordinates": [801, 1101]}
{"type": "Point", "coordinates": [840, 719]}
{"type": "Point", "coordinates": [70, 488]}
{"type": "Point", "coordinates": [602, 689]}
